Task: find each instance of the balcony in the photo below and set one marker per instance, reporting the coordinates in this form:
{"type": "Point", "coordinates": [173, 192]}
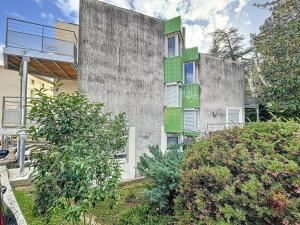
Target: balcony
{"type": "Point", "coordinates": [52, 51]}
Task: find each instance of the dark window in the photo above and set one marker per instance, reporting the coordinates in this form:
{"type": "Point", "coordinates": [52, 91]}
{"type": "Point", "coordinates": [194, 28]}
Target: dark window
{"type": "Point", "coordinates": [171, 46]}
{"type": "Point", "coordinates": [172, 141]}
{"type": "Point", "coordinates": [189, 73]}
{"type": "Point", "coordinates": [32, 81]}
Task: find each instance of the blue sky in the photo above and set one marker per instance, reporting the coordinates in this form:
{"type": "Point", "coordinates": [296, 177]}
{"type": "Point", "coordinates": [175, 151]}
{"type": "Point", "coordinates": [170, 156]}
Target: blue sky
{"type": "Point", "coordinates": [200, 17]}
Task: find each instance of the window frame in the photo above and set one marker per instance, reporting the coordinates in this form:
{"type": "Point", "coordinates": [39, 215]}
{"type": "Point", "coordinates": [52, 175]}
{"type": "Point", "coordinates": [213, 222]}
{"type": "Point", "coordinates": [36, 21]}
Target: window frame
{"type": "Point", "coordinates": [177, 45]}
{"type": "Point", "coordinates": [178, 93]}
{"type": "Point", "coordinates": [195, 119]}
{"type": "Point", "coordinates": [240, 109]}
{"type": "Point", "coordinates": [194, 72]}
{"type": "Point", "coordinates": [173, 136]}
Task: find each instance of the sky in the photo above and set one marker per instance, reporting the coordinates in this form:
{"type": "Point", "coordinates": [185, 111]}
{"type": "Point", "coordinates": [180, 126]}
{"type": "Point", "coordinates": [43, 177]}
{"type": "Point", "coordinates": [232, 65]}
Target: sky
{"type": "Point", "coordinates": [200, 17]}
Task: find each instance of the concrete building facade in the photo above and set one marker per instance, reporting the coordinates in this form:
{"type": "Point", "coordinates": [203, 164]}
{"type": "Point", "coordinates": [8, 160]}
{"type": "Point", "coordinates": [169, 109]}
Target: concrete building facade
{"type": "Point", "coordinates": [139, 65]}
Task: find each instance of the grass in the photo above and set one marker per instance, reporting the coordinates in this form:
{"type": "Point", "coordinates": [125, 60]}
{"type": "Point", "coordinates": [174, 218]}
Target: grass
{"type": "Point", "coordinates": [24, 198]}
{"type": "Point", "coordinates": [131, 194]}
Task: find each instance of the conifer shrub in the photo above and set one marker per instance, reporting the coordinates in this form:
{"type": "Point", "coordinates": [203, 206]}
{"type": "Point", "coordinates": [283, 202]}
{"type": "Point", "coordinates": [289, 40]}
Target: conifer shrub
{"type": "Point", "coordinates": [245, 175]}
{"type": "Point", "coordinates": [163, 169]}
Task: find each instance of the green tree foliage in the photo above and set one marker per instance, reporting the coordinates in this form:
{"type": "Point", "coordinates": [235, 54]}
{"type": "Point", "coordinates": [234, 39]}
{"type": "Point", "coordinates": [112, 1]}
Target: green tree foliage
{"type": "Point", "coordinates": [163, 170]}
{"type": "Point", "coordinates": [278, 45]}
{"type": "Point", "coordinates": [245, 175]}
{"type": "Point", "coordinates": [227, 44]}
{"type": "Point", "coordinates": [77, 167]}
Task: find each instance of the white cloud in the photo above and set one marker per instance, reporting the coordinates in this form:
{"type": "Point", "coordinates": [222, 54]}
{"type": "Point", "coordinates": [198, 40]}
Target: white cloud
{"type": "Point", "coordinates": [39, 2]}
{"type": "Point", "coordinates": [1, 53]}
{"type": "Point", "coordinates": [14, 15]}
{"type": "Point", "coordinates": [70, 9]}
{"type": "Point", "coordinates": [48, 16]}
{"type": "Point", "coordinates": [241, 5]}
{"type": "Point", "coordinates": [216, 14]}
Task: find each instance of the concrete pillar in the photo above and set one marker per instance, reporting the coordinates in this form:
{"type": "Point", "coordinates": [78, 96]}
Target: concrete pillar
{"type": "Point", "coordinates": [131, 153]}
{"type": "Point", "coordinates": [22, 133]}
{"type": "Point", "coordinates": [163, 140]}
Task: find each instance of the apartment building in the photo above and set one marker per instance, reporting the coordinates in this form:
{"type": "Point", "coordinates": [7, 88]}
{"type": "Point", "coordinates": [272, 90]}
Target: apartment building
{"type": "Point", "coordinates": [139, 65]}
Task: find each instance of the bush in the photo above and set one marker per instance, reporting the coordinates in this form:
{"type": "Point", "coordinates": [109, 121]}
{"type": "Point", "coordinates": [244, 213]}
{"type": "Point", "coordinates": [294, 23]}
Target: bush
{"type": "Point", "coordinates": [143, 214]}
{"type": "Point", "coordinates": [242, 176]}
{"type": "Point", "coordinates": [77, 168]}
{"type": "Point", "coordinates": [163, 170]}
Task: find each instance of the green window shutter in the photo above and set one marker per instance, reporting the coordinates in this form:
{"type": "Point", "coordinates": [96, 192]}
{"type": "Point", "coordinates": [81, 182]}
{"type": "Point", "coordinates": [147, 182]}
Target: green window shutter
{"type": "Point", "coordinates": [173, 69]}
{"type": "Point", "coordinates": [191, 96]}
{"type": "Point", "coordinates": [190, 54]}
{"type": "Point", "coordinates": [173, 25]}
{"type": "Point", "coordinates": [173, 120]}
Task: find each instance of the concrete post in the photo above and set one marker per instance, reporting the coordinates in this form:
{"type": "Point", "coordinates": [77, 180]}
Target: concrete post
{"type": "Point", "coordinates": [131, 153]}
{"type": "Point", "coordinates": [22, 133]}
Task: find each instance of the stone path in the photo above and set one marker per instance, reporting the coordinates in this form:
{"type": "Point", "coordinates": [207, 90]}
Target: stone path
{"type": "Point", "coordinates": [9, 197]}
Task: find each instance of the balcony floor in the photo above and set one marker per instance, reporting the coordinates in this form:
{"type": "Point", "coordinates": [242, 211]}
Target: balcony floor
{"type": "Point", "coordinates": [49, 65]}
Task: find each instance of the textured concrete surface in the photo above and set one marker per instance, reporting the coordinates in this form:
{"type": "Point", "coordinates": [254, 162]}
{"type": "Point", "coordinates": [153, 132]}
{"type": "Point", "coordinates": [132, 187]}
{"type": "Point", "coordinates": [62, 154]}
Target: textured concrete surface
{"type": "Point", "coordinates": [222, 85]}
{"type": "Point", "coordinates": [121, 64]}
{"type": "Point", "coordinates": [9, 197]}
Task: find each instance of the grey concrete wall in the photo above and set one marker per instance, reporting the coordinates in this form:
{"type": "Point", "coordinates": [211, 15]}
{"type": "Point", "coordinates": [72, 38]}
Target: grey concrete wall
{"type": "Point", "coordinates": [222, 85]}
{"type": "Point", "coordinates": [121, 64]}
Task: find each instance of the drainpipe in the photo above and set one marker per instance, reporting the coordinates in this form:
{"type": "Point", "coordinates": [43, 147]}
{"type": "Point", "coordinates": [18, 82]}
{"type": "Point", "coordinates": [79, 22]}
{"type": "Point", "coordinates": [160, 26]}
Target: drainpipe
{"type": "Point", "coordinates": [22, 132]}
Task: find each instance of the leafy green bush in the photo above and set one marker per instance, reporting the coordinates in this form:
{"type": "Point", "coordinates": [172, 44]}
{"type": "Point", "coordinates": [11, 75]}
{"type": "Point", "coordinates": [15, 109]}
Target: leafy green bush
{"type": "Point", "coordinates": [77, 168]}
{"type": "Point", "coordinates": [245, 175]}
{"type": "Point", "coordinates": [143, 214]}
{"type": "Point", "coordinates": [163, 169]}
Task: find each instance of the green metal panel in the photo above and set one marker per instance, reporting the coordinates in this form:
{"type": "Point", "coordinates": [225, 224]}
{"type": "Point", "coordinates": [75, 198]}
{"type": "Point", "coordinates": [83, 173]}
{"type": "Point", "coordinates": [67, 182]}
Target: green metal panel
{"type": "Point", "coordinates": [191, 133]}
{"type": "Point", "coordinates": [191, 96]}
{"type": "Point", "coordinates": [173, 120]}
{"type": "Point", "coordinates": [190, 54]}
{"type": "Point", "coordinates": [172, 25]}
{"type": "Point", "coordinates": [173, 69]}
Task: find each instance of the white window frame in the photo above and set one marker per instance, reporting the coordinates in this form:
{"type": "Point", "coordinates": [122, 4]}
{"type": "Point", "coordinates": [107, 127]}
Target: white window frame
{"type": "Point", "coordinates": [176, 45]}
{"type": "Point", "coordinates": [194, 72]}
{"type": "Point", "coordinates": [240, 115]}
{"type": "Point", "coordinates": [179, 94]}
{"type": "Point", "coordinates": [195, 119]}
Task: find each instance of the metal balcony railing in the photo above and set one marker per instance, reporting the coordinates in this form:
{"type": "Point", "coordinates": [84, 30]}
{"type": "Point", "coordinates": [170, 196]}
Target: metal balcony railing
{"type": "Point", "coordinates": [11, 111]}
{"type": "Point", "coordinates": [36, 37]}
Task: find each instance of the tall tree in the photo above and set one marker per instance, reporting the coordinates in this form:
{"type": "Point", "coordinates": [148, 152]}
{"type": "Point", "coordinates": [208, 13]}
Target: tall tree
{"type": "Point", "coordinates": [278, 45]}
{"type": "Point", "coordinates": [227, 43]}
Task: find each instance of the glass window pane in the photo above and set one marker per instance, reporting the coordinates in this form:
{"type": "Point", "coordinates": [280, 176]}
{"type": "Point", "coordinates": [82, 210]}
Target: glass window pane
{"type": "Point", "coordinates": [189, 73]}
{"type": "Point", "coordinates": [171, 46]}
{"type": "Point", "coordinates": [172, 141]}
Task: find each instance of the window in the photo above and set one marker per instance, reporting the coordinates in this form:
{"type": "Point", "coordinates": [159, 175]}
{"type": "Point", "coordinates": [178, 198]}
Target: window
{"type": "Point", "coordinates": [173, 95]}
{"type": "Point", "coordinates": [190, 120]}
{"type": "Point", "coordinates": [233, 116]}
{"type": "Point", "coordinates": [172, 46]}
{"type": "Point", "coordinates": [189, 73]}
{"type": "Point", "coordinates": [32, 81]}
{"type": "Point", "coordinates": [43, 85]}
{"type": "Point", "coordinates": [172, 140]}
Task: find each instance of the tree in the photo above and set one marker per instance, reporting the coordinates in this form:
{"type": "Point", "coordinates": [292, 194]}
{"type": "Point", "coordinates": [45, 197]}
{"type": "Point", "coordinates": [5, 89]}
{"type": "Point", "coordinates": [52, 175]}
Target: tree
{"type": "Point", "coordinates": [278, 45]}
{"type": "Point", "coordinates": [227, 44]}
{"type": "Point", "coordinates": [77, 168]}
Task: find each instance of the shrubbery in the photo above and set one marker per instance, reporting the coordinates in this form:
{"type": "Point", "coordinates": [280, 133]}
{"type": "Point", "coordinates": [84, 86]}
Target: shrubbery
{"type": "Point", "coordinates": [164, 172]}
{"type": "Point", "coordinates": [243, 176]}
{"type": "Point", "coordinates": [143, 214]}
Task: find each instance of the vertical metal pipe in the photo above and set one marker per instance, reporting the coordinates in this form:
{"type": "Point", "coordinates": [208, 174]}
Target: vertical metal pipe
{"type": "Point", "coordinates": [22, 133]}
